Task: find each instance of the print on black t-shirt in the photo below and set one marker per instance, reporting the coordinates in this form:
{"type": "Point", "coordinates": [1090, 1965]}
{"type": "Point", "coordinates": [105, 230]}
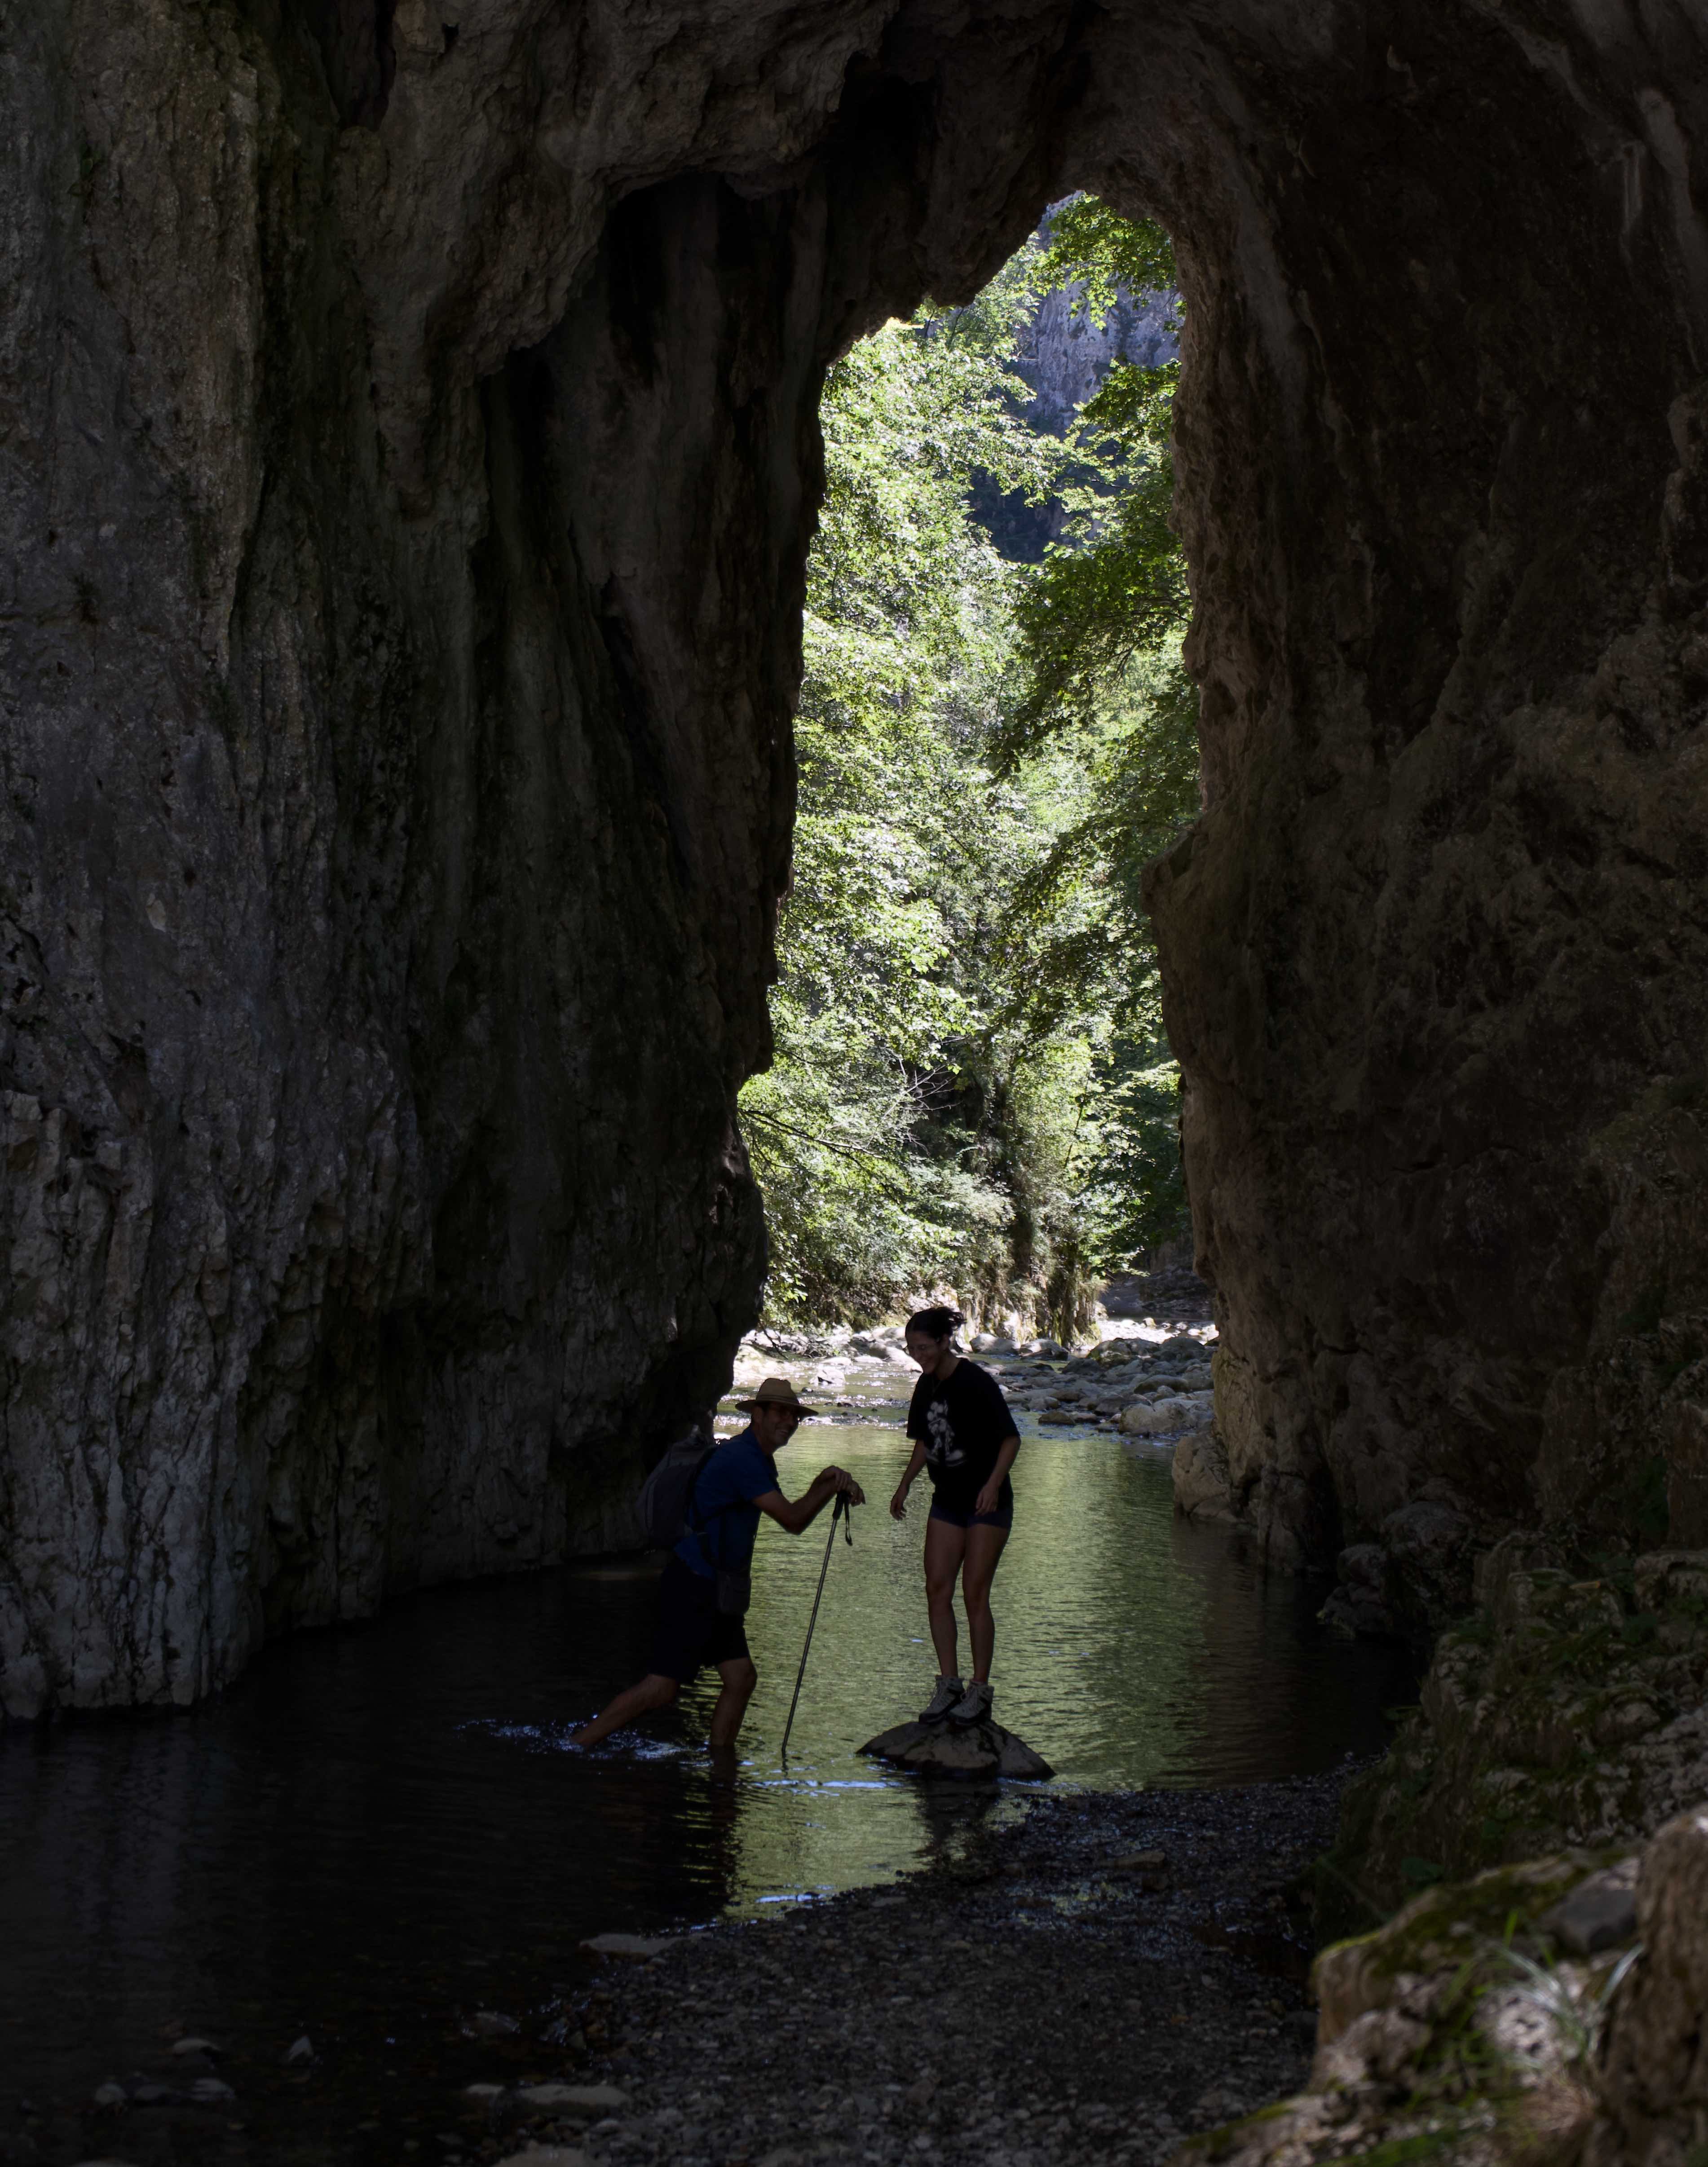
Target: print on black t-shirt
{"type": "Point", "coordinates": [962, 1423]}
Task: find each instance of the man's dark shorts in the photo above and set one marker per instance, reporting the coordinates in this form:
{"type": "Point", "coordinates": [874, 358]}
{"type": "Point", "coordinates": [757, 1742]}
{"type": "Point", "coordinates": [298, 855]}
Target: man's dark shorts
{"type": "Point", "coordinates": [691, 1629]}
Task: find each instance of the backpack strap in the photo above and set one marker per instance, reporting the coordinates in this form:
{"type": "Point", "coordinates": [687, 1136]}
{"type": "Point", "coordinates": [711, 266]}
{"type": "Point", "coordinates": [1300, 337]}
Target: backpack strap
{"type": "Point", "coordinates": [694, 1518]}
{"type": "Point", "coordinates": [698, 1520]}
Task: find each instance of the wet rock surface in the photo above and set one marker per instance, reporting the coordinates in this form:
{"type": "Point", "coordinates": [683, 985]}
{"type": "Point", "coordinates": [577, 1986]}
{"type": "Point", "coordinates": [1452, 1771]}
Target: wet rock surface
{"type": "Point", "coordinates": [1111, 1974]}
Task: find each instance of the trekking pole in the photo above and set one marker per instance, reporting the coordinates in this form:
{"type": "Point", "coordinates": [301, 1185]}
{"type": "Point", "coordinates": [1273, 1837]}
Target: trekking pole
{"type": "Point", "coordinates": [841, 1507]}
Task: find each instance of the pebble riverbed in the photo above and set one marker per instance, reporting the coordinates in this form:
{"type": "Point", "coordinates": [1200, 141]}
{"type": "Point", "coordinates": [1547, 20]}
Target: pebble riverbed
{"type": "Point", "coordinates": [1093, 1983]}
{"type": "Point", "coordinates": [1147, 1375]}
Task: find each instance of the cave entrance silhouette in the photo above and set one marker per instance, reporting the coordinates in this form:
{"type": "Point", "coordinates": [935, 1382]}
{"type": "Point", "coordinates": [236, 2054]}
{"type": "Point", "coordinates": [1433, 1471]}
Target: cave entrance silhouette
{"type": "Point", "coordinates": [970, 1089]}
{"type": "Point", "coordinates": [411, 462]}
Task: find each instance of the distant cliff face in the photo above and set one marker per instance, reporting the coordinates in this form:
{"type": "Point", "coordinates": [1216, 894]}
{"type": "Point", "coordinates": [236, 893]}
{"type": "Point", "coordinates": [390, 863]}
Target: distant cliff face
{"type": "Point", "coordinates": [409, 459]}
{"type": "Point", "coordinates": [1064, 353]}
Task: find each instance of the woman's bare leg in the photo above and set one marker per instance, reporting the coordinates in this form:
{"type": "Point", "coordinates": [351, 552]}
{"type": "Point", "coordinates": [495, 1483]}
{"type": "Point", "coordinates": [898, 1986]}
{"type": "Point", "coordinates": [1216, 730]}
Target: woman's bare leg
{"type": "Point", "coordinates": [983, 1548]}
{"type": "Point", "coordinates": [945, 1547]}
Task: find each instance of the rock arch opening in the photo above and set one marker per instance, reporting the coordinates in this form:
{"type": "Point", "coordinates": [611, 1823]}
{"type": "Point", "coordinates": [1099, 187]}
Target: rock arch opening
{"type": "Point", "coordinates": [410, 458]}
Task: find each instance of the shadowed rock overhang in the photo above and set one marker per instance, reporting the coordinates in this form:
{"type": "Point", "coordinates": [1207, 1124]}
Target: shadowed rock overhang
{"type": "Point", "coordinates": [409, 455]}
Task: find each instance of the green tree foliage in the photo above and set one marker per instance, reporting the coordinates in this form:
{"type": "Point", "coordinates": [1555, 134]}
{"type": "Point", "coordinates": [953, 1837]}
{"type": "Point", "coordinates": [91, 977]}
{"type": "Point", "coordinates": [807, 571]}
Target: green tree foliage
{"type": "Point", "coordinates": [901, 838]}
{"type": "Point", "coordinates": [968, 1081]}
{"type": "Point", "coordinates": [1115, 587]}
{"type": "Point", "coordinates": [1095, 248]}
{"type": "Point", "coordinates": [1098, 665]}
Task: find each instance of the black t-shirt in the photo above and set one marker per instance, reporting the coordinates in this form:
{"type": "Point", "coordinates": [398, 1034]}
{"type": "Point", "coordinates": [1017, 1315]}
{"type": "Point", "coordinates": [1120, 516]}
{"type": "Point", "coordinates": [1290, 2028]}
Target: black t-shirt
{"type": "Point", "coordinates": [961, 1424]}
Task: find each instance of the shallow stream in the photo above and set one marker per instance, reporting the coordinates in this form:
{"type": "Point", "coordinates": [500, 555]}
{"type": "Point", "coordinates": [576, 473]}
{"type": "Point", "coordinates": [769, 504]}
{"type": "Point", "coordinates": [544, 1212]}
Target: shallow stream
{"type": "Point", "coordinates": [379, 1831]}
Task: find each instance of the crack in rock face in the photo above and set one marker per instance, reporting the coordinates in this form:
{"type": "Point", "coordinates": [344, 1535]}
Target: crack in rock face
{"type": "Point", "coordinates": [410, 457]}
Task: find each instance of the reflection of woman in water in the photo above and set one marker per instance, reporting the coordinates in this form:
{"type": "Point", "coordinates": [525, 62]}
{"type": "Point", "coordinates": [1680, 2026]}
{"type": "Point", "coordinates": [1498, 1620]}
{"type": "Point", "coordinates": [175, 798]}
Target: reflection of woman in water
{"type": "Point", "coordinates": [965, 1438]}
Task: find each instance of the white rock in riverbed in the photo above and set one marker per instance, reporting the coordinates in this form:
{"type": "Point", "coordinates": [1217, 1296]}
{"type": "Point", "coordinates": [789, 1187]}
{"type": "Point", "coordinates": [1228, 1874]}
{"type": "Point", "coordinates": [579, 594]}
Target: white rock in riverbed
{"type": "Point", "coordinates": [589, 2100]}
{"type": "Point", "coordinates": [1158, 1417]}
{"type": "Point", "coordinates": [489, 2024]}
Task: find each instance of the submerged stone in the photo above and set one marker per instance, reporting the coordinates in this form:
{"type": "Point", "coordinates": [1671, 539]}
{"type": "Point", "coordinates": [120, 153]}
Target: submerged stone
{"type": "Point", "coordinates": [971, 1749]}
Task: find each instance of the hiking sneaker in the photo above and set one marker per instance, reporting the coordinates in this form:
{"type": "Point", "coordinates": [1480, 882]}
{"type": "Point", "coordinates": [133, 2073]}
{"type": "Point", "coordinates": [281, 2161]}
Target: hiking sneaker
{"type": "Point", "coordinates": [948, 1695]}
{"type": "Point", "coordinates": [974, 1706]}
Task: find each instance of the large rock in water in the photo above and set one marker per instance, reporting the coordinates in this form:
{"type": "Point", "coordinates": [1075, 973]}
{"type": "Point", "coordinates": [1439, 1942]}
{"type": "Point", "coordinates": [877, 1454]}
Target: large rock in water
{"type": "Point", "coordinates": [957, 1749]}
{"type": "Point", "coordinates": [1200, 1476]}
{"type": "Point", "coordinates": [407, 460]}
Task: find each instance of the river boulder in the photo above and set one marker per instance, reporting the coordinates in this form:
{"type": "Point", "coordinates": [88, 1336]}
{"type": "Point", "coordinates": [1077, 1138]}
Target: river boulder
{"type": "Point", "coordinates": [964, 1750]}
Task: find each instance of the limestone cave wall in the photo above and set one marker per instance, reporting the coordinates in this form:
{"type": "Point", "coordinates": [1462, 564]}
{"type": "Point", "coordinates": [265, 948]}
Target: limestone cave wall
{"type": "Point", "coordinates": [1436, 952]}
{"type": "Point", "coordinates": [407, 457]}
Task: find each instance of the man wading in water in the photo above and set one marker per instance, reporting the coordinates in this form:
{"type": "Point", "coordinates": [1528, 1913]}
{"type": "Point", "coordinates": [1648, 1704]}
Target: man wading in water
{"type": "Point", "coordinates": [737, 1484]}
{"type": "Point", "coordinates": [965, 1438]}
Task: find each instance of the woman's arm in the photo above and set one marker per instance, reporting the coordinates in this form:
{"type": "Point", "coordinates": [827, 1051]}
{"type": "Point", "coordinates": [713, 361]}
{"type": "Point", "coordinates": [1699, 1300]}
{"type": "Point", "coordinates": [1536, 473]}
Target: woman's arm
{"type": "Point", "coordinates": [910, 1475]}
{"type": "Point", "coordinates": [986, 1500]}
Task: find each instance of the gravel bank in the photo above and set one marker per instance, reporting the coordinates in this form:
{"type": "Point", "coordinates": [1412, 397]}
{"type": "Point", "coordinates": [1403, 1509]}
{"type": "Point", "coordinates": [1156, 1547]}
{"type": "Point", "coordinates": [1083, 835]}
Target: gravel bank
{"type": "Point", "coordinates": [1090, 1984]}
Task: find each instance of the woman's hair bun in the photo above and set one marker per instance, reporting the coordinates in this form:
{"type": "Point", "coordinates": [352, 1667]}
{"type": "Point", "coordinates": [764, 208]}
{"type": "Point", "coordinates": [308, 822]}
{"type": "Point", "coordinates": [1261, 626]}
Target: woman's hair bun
{"type": "Point", "coordinates": [936, 1323]}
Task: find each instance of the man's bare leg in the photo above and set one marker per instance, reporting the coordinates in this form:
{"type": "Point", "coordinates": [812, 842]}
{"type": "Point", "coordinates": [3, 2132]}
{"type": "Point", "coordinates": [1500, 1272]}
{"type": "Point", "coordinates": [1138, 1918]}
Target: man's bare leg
{"type": "Point", "coordinates": [740, 1678]}
{"type": "Point", "coordinates": [654, 1691]}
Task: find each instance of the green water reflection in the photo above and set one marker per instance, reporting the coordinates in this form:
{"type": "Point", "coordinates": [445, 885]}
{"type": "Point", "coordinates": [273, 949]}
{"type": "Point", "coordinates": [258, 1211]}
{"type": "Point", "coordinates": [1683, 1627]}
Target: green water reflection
{"type": "Point", "coordinates": [384, 1825]}
{"type": "Point", "coordinates": [1132, 1647]}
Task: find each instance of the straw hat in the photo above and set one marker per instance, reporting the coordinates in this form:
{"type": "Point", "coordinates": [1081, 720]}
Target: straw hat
{"type": "Point", "coordinates": [776, 1393]}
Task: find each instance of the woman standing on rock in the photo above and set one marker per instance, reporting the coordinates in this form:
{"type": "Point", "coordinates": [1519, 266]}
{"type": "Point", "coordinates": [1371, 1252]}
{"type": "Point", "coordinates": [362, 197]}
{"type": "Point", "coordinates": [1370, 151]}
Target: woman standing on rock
{"type": "Point", "coordinates": [965, 1438]}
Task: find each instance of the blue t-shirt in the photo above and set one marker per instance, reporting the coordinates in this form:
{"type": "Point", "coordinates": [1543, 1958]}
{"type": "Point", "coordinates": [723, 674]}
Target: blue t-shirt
{"type": "Point", "coordinates": [736, 1473]}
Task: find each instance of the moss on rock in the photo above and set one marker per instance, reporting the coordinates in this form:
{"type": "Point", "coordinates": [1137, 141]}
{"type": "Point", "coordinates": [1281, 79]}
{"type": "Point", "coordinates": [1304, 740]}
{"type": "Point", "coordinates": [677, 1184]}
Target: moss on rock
{"type": "Point", "coordinates": [1455, 2031]}
{"type": "Point", "coordinates": [1567, 1710]}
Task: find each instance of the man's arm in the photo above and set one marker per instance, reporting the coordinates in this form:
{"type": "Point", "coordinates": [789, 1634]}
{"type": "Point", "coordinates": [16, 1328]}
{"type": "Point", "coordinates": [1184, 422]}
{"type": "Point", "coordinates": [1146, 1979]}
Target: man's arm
{"type": "Point", "coordinates": [1006, 1452]}
{"type": "Point", "coordinates": [803, 1511]}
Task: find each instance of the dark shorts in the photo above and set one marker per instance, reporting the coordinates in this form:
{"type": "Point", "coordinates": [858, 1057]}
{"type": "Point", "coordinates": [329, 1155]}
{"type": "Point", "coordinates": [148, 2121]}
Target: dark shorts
{"type": "Point", "coordinates": [1003, 1517]}
{"type": "Point", "coordinates": [691, 1629]}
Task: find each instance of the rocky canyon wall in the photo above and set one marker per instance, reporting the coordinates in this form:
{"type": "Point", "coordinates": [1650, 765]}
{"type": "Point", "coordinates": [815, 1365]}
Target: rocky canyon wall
{"type": "Point", "coordinates": [1436, 951]}
{"type": "Point", "coordinates": [409, 454]}
{"type": "Point", "coordinates": [407, 457]}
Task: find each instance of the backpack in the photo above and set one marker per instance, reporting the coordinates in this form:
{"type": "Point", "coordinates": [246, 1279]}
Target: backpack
{"type": "Point", "coordinates": [667, 1506]}
{"type": "Point", "coordinates": [666, 1494]}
